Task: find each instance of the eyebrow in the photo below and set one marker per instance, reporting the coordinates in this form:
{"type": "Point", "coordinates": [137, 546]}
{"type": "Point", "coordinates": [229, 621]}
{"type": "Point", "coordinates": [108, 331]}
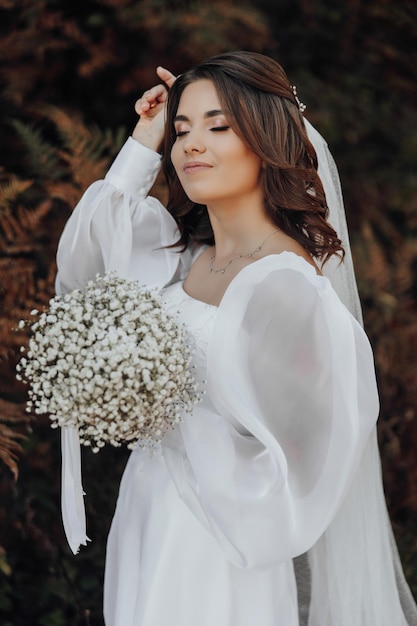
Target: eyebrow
{"type": "Point", "coordinates": [207, 114]}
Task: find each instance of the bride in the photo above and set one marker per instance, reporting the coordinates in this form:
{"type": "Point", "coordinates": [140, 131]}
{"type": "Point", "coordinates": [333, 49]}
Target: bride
{"type": "Point", "coordinates": [265, 506]}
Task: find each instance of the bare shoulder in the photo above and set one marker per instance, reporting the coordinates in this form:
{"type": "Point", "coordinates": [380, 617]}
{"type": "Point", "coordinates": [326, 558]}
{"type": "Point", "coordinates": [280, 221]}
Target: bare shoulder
{"type": "Point", "coordinates": [285, 243]}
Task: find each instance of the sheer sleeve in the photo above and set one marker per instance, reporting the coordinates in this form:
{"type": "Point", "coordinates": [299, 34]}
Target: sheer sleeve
{"type": "Point", "coordinates": [117, 227]}
{"type": "Point", "coordinates": [290, 365]}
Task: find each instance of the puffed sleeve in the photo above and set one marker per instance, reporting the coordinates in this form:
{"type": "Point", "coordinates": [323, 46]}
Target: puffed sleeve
{"type": "Point", "coordinates": [292, 384]}
{"type": "Point", "coordinates": [117, 227]}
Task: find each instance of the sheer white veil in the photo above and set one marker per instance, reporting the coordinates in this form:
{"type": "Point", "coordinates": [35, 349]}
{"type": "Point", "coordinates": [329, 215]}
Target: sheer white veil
{"type": "Point", "coordinates": [353, 575]}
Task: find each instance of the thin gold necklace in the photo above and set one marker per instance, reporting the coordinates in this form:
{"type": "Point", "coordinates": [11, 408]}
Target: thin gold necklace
{"type": "Point", "coordinates": [222, 270]}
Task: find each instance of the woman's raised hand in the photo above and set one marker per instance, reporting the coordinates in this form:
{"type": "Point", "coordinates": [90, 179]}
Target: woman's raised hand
{"type": "Point", "coordinates": [149, 130]}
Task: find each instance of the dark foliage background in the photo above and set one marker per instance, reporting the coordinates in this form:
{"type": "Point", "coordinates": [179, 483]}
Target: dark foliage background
{"type": "Point", "coordinates": [69, 76]}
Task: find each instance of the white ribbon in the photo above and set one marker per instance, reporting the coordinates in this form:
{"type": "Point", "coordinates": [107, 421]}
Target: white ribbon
{"type": "Point", "coordinates": [72, 498]}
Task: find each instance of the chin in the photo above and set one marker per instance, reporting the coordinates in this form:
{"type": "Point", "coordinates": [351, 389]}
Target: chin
{"type": "Point", "coordinates": [198, 198]}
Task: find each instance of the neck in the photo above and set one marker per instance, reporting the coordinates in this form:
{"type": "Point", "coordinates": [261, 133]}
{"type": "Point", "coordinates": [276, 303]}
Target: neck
{"type": "Point", "coordinates": [238, 230]}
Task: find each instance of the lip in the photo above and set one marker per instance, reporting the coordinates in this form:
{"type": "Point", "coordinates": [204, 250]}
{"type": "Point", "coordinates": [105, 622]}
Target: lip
{"type": "Point", "coordinates": [195, 166]}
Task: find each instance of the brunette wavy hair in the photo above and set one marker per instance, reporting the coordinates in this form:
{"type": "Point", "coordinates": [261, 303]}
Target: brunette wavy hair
{"type": "Point", "coordinates": [260, 106]}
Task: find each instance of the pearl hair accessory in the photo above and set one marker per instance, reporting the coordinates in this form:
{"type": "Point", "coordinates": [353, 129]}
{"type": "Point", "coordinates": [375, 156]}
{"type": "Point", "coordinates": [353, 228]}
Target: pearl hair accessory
{"type": "Point", "coordinates": [301, 106]}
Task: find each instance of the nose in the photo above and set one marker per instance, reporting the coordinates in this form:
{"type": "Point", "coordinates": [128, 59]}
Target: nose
{"type": "Point", "coordinates": [193, 144]}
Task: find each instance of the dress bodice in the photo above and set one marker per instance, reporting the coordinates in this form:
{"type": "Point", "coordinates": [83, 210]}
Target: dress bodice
{"type": "Point", "coordinates": [198, 318]}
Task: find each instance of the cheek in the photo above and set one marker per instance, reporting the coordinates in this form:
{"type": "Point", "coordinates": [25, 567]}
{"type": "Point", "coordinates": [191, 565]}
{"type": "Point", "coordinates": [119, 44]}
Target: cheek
{"type": "Point", "coordinates": [250, 169]}
{"type": "Point", "coordinates": [256, 165]}
{"type": "Point", "coordinates": [247, 164]}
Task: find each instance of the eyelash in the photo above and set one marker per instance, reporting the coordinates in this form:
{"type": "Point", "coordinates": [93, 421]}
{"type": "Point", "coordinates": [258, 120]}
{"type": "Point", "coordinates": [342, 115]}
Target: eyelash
{"type": "Point", "coordinates": [214, 129]}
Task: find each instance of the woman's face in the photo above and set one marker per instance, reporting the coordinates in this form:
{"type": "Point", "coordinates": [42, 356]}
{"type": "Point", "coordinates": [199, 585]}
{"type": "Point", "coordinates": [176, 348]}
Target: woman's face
{"type": "Point", "coordinates": [212, 163]}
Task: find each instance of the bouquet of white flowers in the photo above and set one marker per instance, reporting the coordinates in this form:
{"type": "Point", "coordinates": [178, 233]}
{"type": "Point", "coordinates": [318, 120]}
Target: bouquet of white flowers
{"type": "Point", "coordinates": [110, 361]}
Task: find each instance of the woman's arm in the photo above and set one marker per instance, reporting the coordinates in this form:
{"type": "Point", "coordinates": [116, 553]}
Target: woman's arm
{"type": "Point", "coordinates": [116, 226]}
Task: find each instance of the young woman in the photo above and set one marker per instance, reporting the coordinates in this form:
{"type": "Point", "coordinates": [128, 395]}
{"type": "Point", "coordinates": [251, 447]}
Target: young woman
{"type": "Point", "coordinates": [265, 506]}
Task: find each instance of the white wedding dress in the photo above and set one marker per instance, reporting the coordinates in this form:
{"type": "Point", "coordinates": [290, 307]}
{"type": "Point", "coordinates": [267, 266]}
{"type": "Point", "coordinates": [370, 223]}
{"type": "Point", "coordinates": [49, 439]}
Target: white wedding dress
{"type": "Point", "coordinates": [276, 461]}
{"type": "Point", "coordinates": [163, 565]}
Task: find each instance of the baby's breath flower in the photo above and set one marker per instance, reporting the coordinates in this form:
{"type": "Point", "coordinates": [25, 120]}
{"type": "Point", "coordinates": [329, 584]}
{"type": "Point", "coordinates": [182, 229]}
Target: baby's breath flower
{"type": "Point", "coordinates": [110, 361]}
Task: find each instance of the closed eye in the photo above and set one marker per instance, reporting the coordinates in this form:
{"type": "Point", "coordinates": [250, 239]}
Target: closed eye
{"type": "Point", "coordinates": [215, 129]}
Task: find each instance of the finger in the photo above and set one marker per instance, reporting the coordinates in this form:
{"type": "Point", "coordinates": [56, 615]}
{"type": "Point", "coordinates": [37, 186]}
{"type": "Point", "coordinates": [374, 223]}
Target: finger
{"type": "Point", "coordinates": [150, 99]}
{"type": "Point", "coordinates": [141, 106]}
{"type": "Point", "coordinates": [165, 75]}
{"type": "Point", "coordinates": [156, 94]}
